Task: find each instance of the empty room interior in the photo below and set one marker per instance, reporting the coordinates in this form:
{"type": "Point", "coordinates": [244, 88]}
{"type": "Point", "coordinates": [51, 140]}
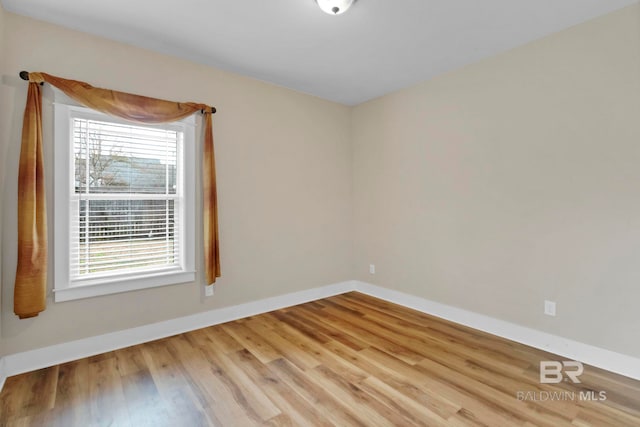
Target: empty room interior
{"type": "Point", "coordinates": [320, 213]}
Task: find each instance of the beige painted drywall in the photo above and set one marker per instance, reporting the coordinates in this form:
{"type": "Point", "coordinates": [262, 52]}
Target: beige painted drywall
{"type": "Point", "coordinates": [3, 125]}
{"type": "Point", "coordinates": [283, 167]}
{"type": "Point", "coordinates": [490, 188]}
{"type": "Point", "coordinates": [512, 181]}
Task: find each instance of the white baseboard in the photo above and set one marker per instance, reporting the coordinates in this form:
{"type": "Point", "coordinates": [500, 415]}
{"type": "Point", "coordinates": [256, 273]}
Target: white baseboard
{"type": "Point", "coordinates": [3, 373]}
{"type": "Point", "coordinates": [31, 360]}
{"type": "Point", "coordinates": [611, 361]}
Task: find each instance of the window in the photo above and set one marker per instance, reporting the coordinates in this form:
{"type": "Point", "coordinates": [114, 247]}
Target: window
{"type": "Point", "coordinates": [123, 202]}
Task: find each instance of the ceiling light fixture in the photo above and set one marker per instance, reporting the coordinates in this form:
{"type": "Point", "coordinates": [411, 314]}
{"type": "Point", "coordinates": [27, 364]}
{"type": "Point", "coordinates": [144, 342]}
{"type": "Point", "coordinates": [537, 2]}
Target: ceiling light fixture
{"type": "Point", "coordinates": [335, 7]}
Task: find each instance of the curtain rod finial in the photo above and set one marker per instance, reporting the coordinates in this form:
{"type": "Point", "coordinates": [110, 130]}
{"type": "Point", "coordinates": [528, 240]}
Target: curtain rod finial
{"type": "Point", "coordinates": [24, 75]}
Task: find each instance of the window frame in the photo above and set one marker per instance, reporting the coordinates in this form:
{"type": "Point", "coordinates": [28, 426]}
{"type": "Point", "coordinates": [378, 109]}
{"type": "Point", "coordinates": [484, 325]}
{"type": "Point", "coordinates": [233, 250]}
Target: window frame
{"type": "Point", "coordinates": [66, 289]}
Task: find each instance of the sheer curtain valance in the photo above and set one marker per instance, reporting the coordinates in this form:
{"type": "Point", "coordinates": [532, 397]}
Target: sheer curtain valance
{"type": "Point", "coordinates": [31, 273]}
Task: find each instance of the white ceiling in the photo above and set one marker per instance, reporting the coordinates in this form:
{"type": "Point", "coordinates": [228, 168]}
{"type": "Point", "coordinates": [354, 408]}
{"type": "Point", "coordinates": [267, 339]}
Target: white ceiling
{"type": "Point", "coordinates": [376, 47]}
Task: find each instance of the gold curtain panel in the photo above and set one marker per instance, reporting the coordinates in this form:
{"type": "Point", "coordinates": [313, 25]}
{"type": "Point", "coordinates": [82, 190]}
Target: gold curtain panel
{"type": "Point", "coordinates": [31, 273]}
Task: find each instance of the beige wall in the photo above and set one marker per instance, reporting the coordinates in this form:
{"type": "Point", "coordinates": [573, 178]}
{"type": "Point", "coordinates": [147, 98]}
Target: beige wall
{"type": "Point", "coordinates": [511, 181]}
{"type": "Point", "coordinates": [3, 124]}
{"type": "Point", "coordinates": [284, 173]}
{"type": "Point", "coordinates": [491, 188]}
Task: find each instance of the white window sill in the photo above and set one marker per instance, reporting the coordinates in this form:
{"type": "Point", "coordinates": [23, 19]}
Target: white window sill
{"type": "Point", "coordinates": [123, 285]}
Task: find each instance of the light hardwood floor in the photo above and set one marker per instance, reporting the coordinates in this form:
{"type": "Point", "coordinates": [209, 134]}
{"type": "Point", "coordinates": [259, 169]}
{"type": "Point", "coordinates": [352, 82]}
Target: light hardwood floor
{"type": "Point", "coordinates": [345, 360]}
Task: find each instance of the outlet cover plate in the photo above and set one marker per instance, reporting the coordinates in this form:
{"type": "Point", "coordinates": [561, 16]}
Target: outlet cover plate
{"type": "Point", "coordinates": [550, 308]}
{"type": "Point", "coordinates": [208, 291]}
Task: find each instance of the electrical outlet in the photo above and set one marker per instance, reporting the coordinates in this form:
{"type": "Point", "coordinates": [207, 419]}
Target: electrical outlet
{"type": "Point", "coordinates": [208, 291]}
{"type": "Point", "coordinates": [372, 269]}
{"type": "Point", "coordinates": [550, 308]}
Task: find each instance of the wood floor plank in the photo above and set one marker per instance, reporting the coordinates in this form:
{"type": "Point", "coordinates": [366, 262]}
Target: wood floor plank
{"type": "Point", "coordinates": [302, 359]}
{"type": "Point", "coordinates": [439, 397]}
{"type": "Point", "coordinates": [252, 341]}
{"type": "Point", "coordinates": [596, 417]}
{"type": "Point", "coordinates": [426, 322]}
{"type": "Point", "coordinates": [309, 314]}
{"type": "Point", "coordinates": [144, 402]}
{"type": "Point", "coordinates": [167, 372]}
{"type": "Point", "coordinates": [413, 412]}
{"type": "Point", "coordinates": [307, 345]}
{"type": "Point", "coordinates": [347, 360]}
{"type": "Point", "coordinates": [499, 400]}
{"type": "Point", "coordinates": [299, 410]}
{"type": "Point", "coordinates": [363, 332]}
{"type": "Point", "coordinates": [106, 394]}
{"type": "Point", "coordinates": [443, 336]}
{"type": "Point", "coordinates": [71, 404]}
{"type": "Point", "coordinates": [315, 394]}
{"type": "Point", "coordinates": [32, 394]}
{"type": "Point", "coordinates": [130, 360]}
{"type": "Point", "coordinates": [369, 409]}
{"type": "Point", "coordinates": [312, 331]}
{"type": "Point", "coordinates": [246, 393]}
{"type": "Point", "coordinates": [184, 402]}
{"type": "Point", "coordinates": [210, 384]}
{"type": "Point", "coordinates": [183, 408]}
{"type": "Point", "coordinates": [222, 340]}
{"type": "Point", "coordinates": [281, 420]}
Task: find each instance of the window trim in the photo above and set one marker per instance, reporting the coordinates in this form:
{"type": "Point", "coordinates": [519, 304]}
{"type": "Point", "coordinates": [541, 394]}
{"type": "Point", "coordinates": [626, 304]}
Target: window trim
{"type": "Point", "coordinates": [64, 289]}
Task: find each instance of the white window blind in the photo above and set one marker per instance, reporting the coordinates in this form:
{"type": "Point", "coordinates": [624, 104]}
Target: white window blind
{"type": "Point", "coordinates": [126, 202]}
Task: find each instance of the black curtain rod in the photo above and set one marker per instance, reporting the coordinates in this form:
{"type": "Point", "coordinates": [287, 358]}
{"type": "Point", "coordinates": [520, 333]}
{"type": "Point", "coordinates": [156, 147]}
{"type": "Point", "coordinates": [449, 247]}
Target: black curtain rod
{"type": "Point", "coordinates": [24, 75]}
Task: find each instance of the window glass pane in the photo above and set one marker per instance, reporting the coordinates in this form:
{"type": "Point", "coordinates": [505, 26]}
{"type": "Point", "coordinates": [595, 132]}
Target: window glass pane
{"type": "Point", "coordinates": [111, 236]}
{"type": "Point", "coordinates": [124, 158]}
